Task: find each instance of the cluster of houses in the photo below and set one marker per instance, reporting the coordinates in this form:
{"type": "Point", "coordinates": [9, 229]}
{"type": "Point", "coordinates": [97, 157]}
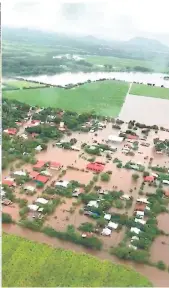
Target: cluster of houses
{"type": "Point", "coordinates": [142, 205]}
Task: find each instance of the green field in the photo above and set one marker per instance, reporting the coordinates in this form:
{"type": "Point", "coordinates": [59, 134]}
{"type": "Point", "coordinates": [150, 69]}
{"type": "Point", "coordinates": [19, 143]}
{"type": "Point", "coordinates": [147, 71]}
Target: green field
{"type": "Point", "coordinates": [157, 65]}
{"type": "Point", "coordinates": [144, 90]}
{"type": "Point", "coordinates": [105, 98]}
{"type": "Point", "coordinates": [20, 84]}
{"type": "Point", "coordinates": [30, 264]}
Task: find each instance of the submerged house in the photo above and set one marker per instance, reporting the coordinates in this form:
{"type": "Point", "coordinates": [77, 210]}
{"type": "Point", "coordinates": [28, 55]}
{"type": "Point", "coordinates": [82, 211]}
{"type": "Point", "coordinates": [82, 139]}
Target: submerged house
{"type": "Point", "coordinates": [96, 166]}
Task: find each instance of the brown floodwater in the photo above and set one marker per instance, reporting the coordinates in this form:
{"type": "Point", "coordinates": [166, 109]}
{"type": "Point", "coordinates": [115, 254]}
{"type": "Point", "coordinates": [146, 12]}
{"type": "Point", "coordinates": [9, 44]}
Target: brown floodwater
{"type": "Point", "coordinates": [146, 110]}
{"type": "Point", "coordinates": [160, 249]}
{"type": "Point", "coordinates": [13, 210]}
{"type": "Point", "coordinates": [61, 218]}
{"type": "Point", "coordinates": [157, 277]}
{"type": "Point", "coordinates": [163, 222]}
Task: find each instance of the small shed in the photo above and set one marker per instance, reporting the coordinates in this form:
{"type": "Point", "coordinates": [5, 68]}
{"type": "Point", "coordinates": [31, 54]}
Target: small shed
{"type": "Point", "coordinates": [135, 230]}
{"type": "Point", "coordinates": [33, 207]}
{"type": "Point", "coordinates": [112, 225]}
{"type": "Point", "coordinates": [106, 232]}
{"type": "Point", "coordinates": [42, 201]}
{"type": "Point", "coordinates": [107, 217]}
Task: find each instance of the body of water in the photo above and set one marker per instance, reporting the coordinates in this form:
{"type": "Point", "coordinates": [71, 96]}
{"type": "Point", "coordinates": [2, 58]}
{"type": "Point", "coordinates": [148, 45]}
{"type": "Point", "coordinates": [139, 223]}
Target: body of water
{"type": "Point", "coordinates": [74, 78]}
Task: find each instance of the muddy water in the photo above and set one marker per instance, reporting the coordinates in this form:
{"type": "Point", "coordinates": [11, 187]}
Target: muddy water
{"type": "Point", "coordinates": [74, 78]}
{"type": "Point", "coordinates": [81, 177]}
{"type": "Point", "coordinates": [160, 250]}
{"type": "Point", "coordinates": [163, 222]}
{"type": "Point", "coordinates": [13, 210]}
{"type": "Point", "coordinates": [146, 110]}
{"type": "Point", "coordinates": [62, 217]}
{"type": "Point", "coordinates": [157, 277]}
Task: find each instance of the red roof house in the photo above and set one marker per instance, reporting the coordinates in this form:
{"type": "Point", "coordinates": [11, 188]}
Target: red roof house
{"type": "Point", "coordinates": [149, 178]}
{"type": "Point", "coordinates": [96, 166]}
{"type": "Point", "coordinates": [33, 174]}
{"type": "Point", "coordinates": [42, 179]}
{"type": "Point", "coordinates": [11, 131]}
{"type": "Point", "coordinates": [55, 165]}
{"type": "Point", "coordinates": [9, 183]}
{"type": "Point", "coordinates": [132, 137]}
{"type": "Point", "coordinates": [140, 207]}
{"type": "Point", "coordinates": [39, 165]}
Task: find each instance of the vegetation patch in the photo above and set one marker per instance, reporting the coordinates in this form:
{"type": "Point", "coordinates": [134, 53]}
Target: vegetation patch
{"type": "Point", "coordinates": [150, 91]}
{"type": "Point", "coordinates": [106, 98]}
{"type": "Point", "coordinates": [43, 266]}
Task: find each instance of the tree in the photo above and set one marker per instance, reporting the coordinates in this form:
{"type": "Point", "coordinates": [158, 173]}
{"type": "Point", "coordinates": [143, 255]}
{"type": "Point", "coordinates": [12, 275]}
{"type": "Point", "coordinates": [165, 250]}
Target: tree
{"type": "Point", "coordinates": [105, 177]}
{"type": "Point", "coordinates": [86, 227]}
{"type": "Point", "coordinates": [6, 218]}
{"type": "Point", "coordinates": [135, 177]}
{"type": "Point", "coordinates": [161, 265]}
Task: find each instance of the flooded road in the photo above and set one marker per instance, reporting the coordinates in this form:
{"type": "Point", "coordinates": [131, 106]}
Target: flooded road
{"type": "Point", "coordinates": [157, 277]}
{"type": "Point", "coordinates": [163, 219]}
{"type": "Point", "coordinates": [74, 78]}
{"type": "Point", "coordinates": [145, 110]}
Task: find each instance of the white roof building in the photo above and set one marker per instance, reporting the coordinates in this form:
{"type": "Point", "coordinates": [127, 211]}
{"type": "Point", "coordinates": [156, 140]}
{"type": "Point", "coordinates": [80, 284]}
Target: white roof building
{"type": "Point", "coordinates": [166, 182]}
{"type": "Point", "coordinates": [106, 232]}
{"type": "Point", "coordinates": [126, 197]}
{"type": "Point", "coordinates": [114, 138]}
{"type": "Point", "coordinates": [112, 225]}
{"type": "Point", "coordinates": [143, 200]}
{"type": "Point", "coordinates": [140, 214]}
{"type": "Point", "coordinates": [33, 207]}
{"type": "Point", "coordinates": [42, 201]}
{"type": "Point", "coordinates": [107, 217]}
{"type": "Point", "coordinates": [29, 188]}
{"type": "Point", "coordinates": [63, 184]}
{"type": "Point", "coordinates": [93, 204]}
{"type": "Point", "coordinates": [24, 136]}
{"type": "Point", "coordinates": [46, 173]}
{"type": "Point", "coordinates": [38, 148]}
{"type": "Point", "coordinates": [75, 148]}
{"type": "Point", "coordinates": [135, 230]}
{"type": "Point", "coordinates": [134, 238]}
{"type": "Point", "coordinates": [141, 221]}
{"type": "Point", "coordinates": [19, 173]}
{"type": "Point", "coordinates": [132, 247]}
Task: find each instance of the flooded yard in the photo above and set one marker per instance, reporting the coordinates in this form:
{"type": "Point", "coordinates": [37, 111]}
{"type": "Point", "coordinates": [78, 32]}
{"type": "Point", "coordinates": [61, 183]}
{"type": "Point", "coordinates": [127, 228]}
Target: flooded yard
{"type": "Point", "coordinates": [160, 250]}
{"type": "Point", "coordinates": [163, 222]}
{"type": "Point", "coordinates": [146, 110]}
{"type": "Point", "coordinates": [62, 217]}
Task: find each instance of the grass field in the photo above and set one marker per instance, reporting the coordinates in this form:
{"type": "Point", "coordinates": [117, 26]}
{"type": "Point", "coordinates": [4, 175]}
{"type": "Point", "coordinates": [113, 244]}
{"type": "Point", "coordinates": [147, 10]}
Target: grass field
{"type": "Point", "coordinates": [20, 84]}
{"type": "Point", "coordinates": [124, 62]}
{"type": "Point", "coordinates": [105, 98]}
{"type": "Point", "coordinates": [144, 90]}
{"type": "Point", "coordinates": [30, 264]}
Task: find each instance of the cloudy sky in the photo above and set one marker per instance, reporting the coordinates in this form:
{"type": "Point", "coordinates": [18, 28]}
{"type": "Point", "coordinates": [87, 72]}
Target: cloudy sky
{"type": "Point", "coordinates": [111, 19]}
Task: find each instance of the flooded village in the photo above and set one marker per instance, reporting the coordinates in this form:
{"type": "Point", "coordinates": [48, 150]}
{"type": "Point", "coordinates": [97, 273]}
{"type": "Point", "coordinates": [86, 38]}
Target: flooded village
{"type": "Point", "coordinates": [105, 185]}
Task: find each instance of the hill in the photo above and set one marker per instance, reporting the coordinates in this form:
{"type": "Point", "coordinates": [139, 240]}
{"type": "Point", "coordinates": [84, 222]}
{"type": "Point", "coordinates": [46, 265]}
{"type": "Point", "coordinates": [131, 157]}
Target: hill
{"type": "Point", "coordinates": [147, 44]}
{"type": "Point", "coordinates": [30, 264]}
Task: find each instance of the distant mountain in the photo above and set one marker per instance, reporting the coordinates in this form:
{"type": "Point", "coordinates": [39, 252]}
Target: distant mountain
{"type": "Point", "coordinates": [147, 44]}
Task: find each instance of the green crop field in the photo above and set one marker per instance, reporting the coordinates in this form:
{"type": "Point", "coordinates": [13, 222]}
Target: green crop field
{"type": "Point", "coordinates": [151, 91]}
{"type": "Point", "coordinates": [30, 264]}
{"type": "Point", "coordinates": [157, 65]}
{"type": "Point", "coordinates": [105, 98]}
{"type": "Point", "coordinates": [20, 84]}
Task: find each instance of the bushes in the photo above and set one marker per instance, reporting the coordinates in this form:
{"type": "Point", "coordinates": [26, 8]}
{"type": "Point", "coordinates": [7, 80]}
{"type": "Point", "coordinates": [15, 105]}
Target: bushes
{"type": "Point", "coordinates": [34, 225]}
{"type": "Point", "coordinates": [135, 177]}
{"type": "Point", "coordinates": [130, 254]}
{"type": "Point", "coordinates": [72, 236]}
{"type": "Point", "coordinates": [86, 227]}
{"type": "Point", "coordinates": [6, 218]}
{"type": "Point", "coordinates": [105, 177]}
{"type": "Point", "coordinates": [161, 265]}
